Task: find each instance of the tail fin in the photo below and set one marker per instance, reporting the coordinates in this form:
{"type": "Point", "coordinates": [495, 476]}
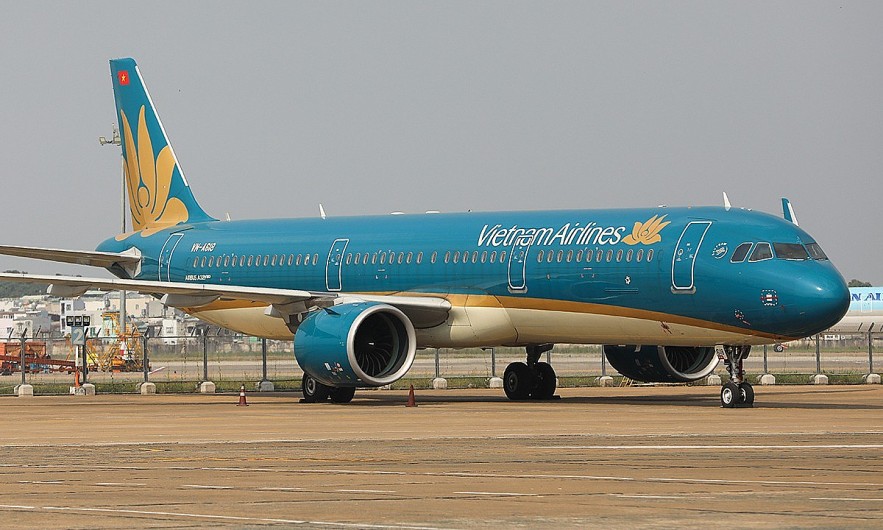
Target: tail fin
{"type": "Point", "coordinates": [159, 195]}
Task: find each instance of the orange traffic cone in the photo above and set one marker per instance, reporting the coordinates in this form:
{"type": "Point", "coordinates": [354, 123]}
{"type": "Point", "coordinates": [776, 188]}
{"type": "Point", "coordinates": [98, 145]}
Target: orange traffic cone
{"type": "Point", "coordinates": [411, 401]}
{"type": "Point", "coordinates": [242, 402]}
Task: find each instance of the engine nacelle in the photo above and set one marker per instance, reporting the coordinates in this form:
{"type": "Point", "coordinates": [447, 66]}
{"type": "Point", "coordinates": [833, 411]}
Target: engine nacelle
{"type": "Point", "coordinates": [359, 344]}
{"type": "Point", "coordinates": [662, 364]}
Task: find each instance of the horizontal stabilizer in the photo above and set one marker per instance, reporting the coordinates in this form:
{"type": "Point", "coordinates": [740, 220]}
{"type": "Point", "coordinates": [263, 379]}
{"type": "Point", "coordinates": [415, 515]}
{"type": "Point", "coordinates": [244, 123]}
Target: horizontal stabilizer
{"type": "Point", "coordinates": [91, 258]}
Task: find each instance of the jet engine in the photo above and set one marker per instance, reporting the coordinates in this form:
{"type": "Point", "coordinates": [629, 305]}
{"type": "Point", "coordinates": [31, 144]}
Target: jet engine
{"type": "Point", "coordinates": [662, 364]}
{"type": "Point", "coordinates": [361, 344]}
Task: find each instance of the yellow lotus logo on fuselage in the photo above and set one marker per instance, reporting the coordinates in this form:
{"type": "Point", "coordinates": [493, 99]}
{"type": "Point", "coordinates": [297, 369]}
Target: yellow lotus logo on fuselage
{"type": "Point", "coordinates": [149, 182]}
{"type": "Point", "coordinates": [646, 233]}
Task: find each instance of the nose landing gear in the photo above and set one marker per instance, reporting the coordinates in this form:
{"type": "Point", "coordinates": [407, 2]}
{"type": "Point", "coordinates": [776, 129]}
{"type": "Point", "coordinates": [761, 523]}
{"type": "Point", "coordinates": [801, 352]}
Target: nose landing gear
{"type": "Point", "coordinates": [736, 392]}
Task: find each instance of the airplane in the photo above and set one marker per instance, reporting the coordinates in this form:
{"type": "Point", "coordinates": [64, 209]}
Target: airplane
{"type": "Point", "coordinates": [865, 313]}
{"type": "Point", "coordinates": [660, 287]}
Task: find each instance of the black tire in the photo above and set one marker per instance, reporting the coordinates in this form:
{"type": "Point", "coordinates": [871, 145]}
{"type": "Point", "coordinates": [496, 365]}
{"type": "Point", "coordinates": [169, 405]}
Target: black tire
{"type": "Point", "coordinates": [544, 382]}
{"type": "Point", "coordinates": [342, 394]}
{"type": "Point", "coordinates": [730, 395]}
{"type": "Point", "coordinates": [314, 391]}
{"type": "Point", "coordinates": [747, 393]}
{"type": "Point", "coordinates": [518, 381]}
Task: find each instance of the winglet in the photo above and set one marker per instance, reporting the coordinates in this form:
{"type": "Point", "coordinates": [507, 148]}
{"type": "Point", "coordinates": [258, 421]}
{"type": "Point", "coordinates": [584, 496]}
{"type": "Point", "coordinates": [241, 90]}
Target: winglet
{"type": "Point", "coordinates": [726, 202]}
{"type": "Point", "coordinates": [321, 211]}
{"type": "Point", "coordinates": [788, 211]}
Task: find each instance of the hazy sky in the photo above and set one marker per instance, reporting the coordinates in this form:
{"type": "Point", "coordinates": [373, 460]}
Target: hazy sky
{"type": "Point", "coordinates": [371, 107]}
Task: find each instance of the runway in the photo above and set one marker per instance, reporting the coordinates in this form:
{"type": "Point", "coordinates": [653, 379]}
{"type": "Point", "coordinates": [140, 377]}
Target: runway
{"type": "Point", "coordinates": [638, 457]}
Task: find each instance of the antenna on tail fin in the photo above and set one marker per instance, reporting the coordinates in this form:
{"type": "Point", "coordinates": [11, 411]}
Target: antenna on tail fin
{"type": "Point", "coordinates": [159, 196]}
{"type": "Point", "coordinates": [788, 211]}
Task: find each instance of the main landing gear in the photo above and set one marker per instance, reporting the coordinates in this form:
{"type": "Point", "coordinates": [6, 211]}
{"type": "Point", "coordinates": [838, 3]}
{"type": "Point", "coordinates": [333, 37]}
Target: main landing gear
{"type": "Point", "coordinates": [316, 392]}
{"type": "Point", "coordinates": [736, 392]}
{"type": "Point", "coordinates": [531, 380]}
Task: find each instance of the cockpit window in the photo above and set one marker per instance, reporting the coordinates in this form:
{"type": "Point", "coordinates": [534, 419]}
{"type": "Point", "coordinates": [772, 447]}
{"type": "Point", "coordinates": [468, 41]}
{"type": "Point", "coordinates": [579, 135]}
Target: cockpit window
{"type": "Point", "coordinates": [816, 251]}
{"type": "Point", "coordinates": [740, 253]}
{"type": "Point", "coordinates": [761, 252]}
{"type": "Point", "coordinates": [792, 251]}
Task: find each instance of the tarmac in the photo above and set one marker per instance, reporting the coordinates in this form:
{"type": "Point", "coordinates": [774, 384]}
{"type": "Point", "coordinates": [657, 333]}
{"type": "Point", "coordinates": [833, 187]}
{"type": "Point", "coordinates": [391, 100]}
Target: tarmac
{"type": "Point", "coordinates": [639, 457]}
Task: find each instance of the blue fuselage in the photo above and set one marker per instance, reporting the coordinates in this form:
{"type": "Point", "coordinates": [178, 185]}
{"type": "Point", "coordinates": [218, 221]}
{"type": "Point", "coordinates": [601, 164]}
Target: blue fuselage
{"type": "Point", "coordinates": [671, 266]}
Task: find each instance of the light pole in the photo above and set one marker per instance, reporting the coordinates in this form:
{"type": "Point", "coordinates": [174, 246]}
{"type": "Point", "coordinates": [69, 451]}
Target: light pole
{"type": "Point", "coordinates": [122, 333]}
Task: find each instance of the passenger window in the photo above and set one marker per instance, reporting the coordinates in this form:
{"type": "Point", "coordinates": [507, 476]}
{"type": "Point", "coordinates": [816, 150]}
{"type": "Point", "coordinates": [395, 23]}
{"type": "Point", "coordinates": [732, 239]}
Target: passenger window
{"type": "Point", "coordinates": [250, 260]}
{"type": "Point", "coordinates": [358, 259]}
{"type": "Point", "coordinates": [195, 262]}
{"type": "Point", "coordinates": [761, 252]}
{"type": "Point", "coordinates": [273, 262]}
{"type": "Point", "coordinates": [290, 259]}
{"type": "Point", "coordinates": [540, 255]}
{"type": "Point", "coordinates": [448, 256]}
{"type": "Point", "coordinates": [433, 256]}
{"type": "Point", "coordinates": [560, 255]}
{"type": "Point", "coordinates": [401, 257]}
{"type": "Point", "coordinates": [589, 255]}
{"type": "Point", "coordinates": [296, 260]}
{"type": "Point", "coordinates": [374, 259]}
{"type": "Point", "coordinates": [474, 256]}
{"type": "Point", "coordinates": [349, 259]}
{"type": "Point", "coordinates": [740, 253]}
{"type": "Point", "coordinates": [484, 256]}
{"type": "Point", "coordinates": [383, 258]}
{"type": "Point", "coordinates": [639, 255]}
{"type": "Point", "coordinates": [457, 257]}
{"type": "Point", "coordinates": [502, 256]}
{"type": "Point", "coordinates": [628, 255]}
{"type": "Point", "coordinates": [315, 259]}
{"type": "Point", "coordinates": [609, 256]}
{"type": "Point", "coordinates": [211, 261]}
{"type": "Point", "coordinates": [242, 261]}
{"type": "Point", "coordinates": [579, 256]}
{"type": "Point", "coordinates": [267, 259]}
{"type": "Point", "coordinates": [226, 261]}
{"type": "Point", "coordinates": [493, 256]}
{"type": "Point", "coordinates": [619, 255]}
{"type": "Point", "coordinates": [650, 254]}
{"type": "Point", "coordinates": [569, 256]}
{"type": "Point", "coordinates": [599, 256]}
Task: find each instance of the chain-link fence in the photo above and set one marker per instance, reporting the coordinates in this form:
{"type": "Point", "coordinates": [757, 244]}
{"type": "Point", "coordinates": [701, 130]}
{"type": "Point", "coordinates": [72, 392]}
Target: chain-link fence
{"type": "Point", "coordinates": [190, 360]}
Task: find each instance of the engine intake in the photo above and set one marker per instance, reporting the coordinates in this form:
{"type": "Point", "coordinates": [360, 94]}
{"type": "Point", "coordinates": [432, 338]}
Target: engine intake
{"type": "Point", "coordinates": [356, 344]}
{"type": "Point", "coordinates": [662, 364]}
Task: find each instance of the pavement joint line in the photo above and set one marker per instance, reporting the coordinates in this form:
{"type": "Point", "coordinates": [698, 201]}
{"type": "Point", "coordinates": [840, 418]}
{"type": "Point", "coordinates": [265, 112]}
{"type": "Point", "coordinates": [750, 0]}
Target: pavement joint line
{"type": "Point", "coordinates": [206, 487]}
{"type": "Point", "coordinates": [532, 437]}
{"type": "Point", "coordinates": [235, 518]}
{"type": "Point", "coordinates": [715, 447]}
{"type": "Point", "coordinates": [856, 499]}
{"type": "Point", "coordinates": [497, 493]}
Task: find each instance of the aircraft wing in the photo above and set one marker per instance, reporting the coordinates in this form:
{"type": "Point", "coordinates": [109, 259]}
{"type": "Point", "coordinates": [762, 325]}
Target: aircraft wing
{"type": "Point", "coordinates": [423, 310]}
{"type": "Point", "coordinates": [79, 257]}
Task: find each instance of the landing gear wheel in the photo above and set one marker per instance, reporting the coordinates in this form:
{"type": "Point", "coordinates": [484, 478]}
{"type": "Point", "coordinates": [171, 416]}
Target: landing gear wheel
{"type": "Point", "coordinates": [342, 394]}
{"type": "Point", "coordinates": [544, 384]}
{"type": "Point", "coordinates": [746, 394]}
{"type": "Point", "coordinates": [730, 395]}
{"type": "Point", "coordinates": [518, 381]}
{"type": "Point", "coordinates": [314, 391]}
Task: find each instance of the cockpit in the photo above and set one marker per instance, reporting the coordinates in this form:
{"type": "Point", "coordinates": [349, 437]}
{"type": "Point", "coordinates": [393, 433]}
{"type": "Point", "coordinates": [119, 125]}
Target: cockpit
{"type": "Point", "coordinates": [761, 251]}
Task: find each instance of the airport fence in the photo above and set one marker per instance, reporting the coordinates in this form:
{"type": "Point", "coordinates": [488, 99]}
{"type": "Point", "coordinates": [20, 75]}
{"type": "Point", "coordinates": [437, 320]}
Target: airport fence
{"type": "Point", "coordinates": [189, 360]}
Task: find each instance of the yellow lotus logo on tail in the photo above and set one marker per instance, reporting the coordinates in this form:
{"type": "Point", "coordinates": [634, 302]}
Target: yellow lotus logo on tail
{"type": "Point", "coordinates": [149, 182]}
{"type": "Point", "coordinates": [646, 233]}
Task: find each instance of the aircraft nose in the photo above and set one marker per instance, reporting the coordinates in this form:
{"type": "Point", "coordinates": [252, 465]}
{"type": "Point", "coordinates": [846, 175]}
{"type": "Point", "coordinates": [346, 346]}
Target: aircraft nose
{"type": "Point", "coordinates": [827, 301]}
